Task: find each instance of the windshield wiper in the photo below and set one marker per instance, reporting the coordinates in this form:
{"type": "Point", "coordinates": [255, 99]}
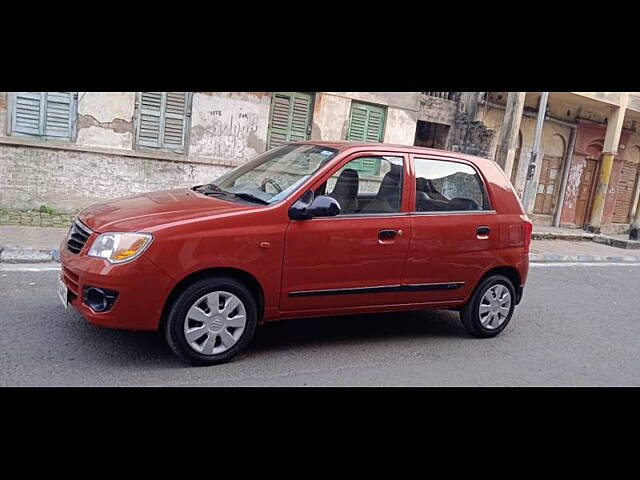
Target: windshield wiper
{"type": "Point", "coordinates": [249, 196]}
{"type": "Point", "coordinates": [210, 188]}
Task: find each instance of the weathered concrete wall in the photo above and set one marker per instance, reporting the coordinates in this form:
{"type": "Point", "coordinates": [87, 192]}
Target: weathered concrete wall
{"type": "Point", "coordinates": [331, 115]}
{"type": "Point", "coordinates": [437, 110]}
{"type": "Point", "coordinates": [229, 126]}
{"type": "Point", "coordinates": [68, 180]}
{"type": "Point", "coordinates": [105, 119]}
{"type": "Point", "coordinates": [400, 127]}
{"type": "Point", "coordinates": [3, 113]}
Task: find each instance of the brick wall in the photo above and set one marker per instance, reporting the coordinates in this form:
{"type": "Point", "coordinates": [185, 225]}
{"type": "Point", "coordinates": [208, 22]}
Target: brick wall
{"type": "Point", "coordinates": [69, 180]}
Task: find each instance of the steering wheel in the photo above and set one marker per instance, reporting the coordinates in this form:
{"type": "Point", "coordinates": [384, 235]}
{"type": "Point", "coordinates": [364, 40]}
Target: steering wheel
{"type": "Point", "coordinates": [271, 182]}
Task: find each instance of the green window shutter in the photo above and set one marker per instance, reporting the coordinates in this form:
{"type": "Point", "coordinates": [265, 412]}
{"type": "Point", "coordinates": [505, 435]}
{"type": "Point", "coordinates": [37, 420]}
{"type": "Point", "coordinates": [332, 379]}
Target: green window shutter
{"type": "Point", "coordinates": [28, 113]}
{"type": "Point", "coordinates": [162, 119]}
{"type": "Point", "coordinates": [365, 165]}
{"type": "Point", "coordinates": [58, 121]}
{"type": "Point", "coordinates": [149, 118]}
{"type": "Point", "coordinates": [175, 120]}
{"type": "Point", "coordinates": [366, 123]}
{"type": "Point", "coordinates": [48, 114]}
{"type": "Point", "coordinates": [290, 118]}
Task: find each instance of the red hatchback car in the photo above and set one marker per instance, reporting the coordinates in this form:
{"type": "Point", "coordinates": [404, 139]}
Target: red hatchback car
{"type": "Point", "coordinates": [306, 229]}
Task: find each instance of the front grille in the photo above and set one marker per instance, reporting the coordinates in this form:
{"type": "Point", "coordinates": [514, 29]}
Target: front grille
{"type": "Point", "coordinates": [78, 236]}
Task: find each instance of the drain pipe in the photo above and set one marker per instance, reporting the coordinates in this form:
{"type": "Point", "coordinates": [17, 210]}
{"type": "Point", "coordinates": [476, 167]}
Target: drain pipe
{"type": "Point", "coordinates": [565, 176]}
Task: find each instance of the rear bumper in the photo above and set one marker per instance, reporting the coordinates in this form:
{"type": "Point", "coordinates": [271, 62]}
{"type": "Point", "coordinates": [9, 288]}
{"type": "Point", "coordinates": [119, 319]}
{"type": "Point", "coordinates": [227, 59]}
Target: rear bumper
{"type": "Point", "coordinates": [142, 290]}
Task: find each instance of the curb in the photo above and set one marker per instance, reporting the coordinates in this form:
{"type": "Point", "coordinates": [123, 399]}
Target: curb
{"type": "Point", "coordinates": [16, 255]}
{"type": "Point", "coordinates": [549, 258]}
{"type": "Point", "coordinates": [562, 236]}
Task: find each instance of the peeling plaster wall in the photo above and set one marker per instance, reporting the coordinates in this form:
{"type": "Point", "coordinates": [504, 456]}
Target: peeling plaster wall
{"type": "Point", "coordinates": [400, 127]}
{"type": "Point", "coordinates": [105, 119]}
{"type": "Point", "coordinates": [3, 113]}
{"type": "Point", "coordinates": [229, 126]}
{"type": "Point", "coordinates": [331, 115]}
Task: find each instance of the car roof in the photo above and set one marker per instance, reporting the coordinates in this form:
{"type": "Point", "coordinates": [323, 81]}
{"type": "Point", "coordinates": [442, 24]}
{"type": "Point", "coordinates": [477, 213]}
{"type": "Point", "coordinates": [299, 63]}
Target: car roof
{"type": "Point", "coordinates": [345, 146]}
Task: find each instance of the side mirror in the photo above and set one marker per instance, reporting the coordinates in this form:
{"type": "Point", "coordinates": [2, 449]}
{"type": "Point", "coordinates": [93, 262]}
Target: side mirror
{"type": "Point", "coordinates": [307, 207]}
{"type": "Point", "coordinates": [324, 206]}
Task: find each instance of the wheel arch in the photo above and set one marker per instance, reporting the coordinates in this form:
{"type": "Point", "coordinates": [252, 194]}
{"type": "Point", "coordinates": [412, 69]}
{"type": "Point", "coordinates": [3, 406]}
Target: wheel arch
{"type": "Point", "coordinates": [246, 278]}
{"type": "Point", "coordinates": [511, 273]}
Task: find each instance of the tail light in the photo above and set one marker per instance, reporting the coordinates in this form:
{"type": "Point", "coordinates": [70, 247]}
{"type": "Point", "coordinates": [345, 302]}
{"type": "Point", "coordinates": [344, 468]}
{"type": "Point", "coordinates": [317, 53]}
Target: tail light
{"type": "Point", "coordinates": [528, 229]}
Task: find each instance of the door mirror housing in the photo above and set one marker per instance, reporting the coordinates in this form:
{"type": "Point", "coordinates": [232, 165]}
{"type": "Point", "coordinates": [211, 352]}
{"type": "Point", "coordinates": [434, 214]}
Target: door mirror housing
{"type": "Point", "coordinates": [307, 207]}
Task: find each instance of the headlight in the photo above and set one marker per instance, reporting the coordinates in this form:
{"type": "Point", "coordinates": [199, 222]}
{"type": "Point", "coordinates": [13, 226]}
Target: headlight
{"type": "Point", "coordinates": [120, 247]}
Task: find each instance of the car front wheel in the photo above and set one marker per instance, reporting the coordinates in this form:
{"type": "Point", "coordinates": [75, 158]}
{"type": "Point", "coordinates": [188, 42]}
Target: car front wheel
{"type": "Point", "coordinates": [490, 308]}
{"type": "Point", "coordinates": [211, 321]}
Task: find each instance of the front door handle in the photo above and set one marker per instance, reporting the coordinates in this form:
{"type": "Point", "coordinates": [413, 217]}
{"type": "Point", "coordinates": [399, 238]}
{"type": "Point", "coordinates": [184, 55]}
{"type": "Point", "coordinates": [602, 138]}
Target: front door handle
{"type": "Point", "coordinates": [387, 234]}
{"type": "Point", "coordinates": [483, 231]}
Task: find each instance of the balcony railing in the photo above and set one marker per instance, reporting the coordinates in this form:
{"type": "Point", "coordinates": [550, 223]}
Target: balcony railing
{"type": "Point", "coordinates": [455, 96]}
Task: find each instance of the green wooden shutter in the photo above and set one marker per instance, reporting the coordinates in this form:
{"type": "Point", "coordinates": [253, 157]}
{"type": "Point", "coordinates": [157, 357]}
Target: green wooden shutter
{"type": "Point", "coordinates": [149, 119]}
{"type": "Point", "coordinates": [162, 119]}
{"type": "Point", "coordinates": [48, 114]}
{"type": "Point", "coordinates": [290, 118]}
{"type": "Point", "coordinates": [28, 113]}
{"type": "Point", "coordinates": [366, 123]}
{"type": "Point", "coordinates": [175, 120]}
{"type": "Point", "coordinates": [58, 121]}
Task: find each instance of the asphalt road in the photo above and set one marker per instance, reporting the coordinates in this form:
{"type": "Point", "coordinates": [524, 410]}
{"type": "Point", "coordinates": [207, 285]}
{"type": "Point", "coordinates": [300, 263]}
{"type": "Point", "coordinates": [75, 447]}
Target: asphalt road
{"type": "Point", "coordinates": [577, 325]}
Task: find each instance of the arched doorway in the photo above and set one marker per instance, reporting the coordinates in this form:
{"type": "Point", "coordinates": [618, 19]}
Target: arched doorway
{"type": "Point", "coordinates": [587, 182]}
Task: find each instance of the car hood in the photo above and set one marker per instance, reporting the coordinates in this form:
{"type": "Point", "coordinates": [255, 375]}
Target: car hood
{"type": "Point", "coordinates": [138, 212]}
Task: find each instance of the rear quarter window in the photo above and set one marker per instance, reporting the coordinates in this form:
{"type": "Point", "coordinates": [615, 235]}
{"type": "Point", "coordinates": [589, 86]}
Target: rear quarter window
{"type": "Point", "coordinates": [443, 185]}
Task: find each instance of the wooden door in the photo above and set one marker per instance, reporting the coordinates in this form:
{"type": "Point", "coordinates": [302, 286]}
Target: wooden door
{"type": "Point", "coordinates": [584, 192]}
{"type": "Point", "coordinates": [626, 189]}
{"type": "Point", "coordinates": [548, 185]}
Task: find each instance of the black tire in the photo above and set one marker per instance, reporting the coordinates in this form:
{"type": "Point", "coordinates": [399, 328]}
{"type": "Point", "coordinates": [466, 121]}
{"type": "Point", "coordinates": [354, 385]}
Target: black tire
{"type": "Point", "coordinates": [174, 325]}
{"type": "Point", "coordinates": [470, 313]}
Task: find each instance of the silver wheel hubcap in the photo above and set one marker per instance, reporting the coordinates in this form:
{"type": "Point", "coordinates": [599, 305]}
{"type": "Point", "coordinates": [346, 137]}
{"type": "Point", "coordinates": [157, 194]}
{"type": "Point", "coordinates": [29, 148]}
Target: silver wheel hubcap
{"type": "Point", "coordinates": [494, 307]}
{"type": "Point", "coordinates": [214, 323]}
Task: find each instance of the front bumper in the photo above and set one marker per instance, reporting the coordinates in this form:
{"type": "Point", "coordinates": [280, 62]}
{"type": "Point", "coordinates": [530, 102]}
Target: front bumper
{"type": "Point", "coordinates": [142, 289]}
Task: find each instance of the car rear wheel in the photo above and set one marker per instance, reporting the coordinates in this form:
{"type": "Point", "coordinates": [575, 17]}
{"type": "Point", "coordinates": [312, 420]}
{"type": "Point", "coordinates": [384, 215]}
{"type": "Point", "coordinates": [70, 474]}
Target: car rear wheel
{"type": "Point", "coordinates": [211, 321]}
{"type": "Point", "coordinates": [490, 308]}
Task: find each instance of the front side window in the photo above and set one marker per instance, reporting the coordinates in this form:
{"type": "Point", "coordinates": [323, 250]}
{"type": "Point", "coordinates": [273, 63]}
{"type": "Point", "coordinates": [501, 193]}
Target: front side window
{"type": "Point", "coordinates": [367, 185]}
{"type": "Point", "coordinates": [274, 175]}
{"type": "Point", "coordinates": [448, 186]}
{"type": "Point", "coordinates": [44, 114]}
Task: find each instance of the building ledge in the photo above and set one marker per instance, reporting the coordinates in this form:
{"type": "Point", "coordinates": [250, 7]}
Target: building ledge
{"type": "Point", "coordinates": [146, 154]}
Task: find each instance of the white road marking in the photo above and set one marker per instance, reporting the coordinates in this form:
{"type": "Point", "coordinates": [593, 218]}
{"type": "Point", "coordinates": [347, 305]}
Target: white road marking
{"type": "Point", "coordinates": [584, 264]}
{"type": "Point", "coordinates": [8, 267]}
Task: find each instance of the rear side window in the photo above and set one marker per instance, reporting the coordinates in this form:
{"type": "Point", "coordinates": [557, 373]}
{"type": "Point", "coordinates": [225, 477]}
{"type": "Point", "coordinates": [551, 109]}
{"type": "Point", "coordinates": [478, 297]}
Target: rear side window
{"type": "Point", "coordinates": [448, 186]}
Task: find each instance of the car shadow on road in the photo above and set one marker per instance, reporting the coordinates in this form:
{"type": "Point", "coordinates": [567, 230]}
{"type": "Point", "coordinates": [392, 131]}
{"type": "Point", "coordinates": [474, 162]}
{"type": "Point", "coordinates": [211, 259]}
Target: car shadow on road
{"type": "Point", "coordinates": [294, 333]}
{"type": "Point", "coordinates": [148, 349]}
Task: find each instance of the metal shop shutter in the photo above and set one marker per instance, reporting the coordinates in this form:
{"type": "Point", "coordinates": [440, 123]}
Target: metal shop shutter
{"type": "Point", "coordinates": [47, 114]}
{"type": "Point", "coordinates": [290, 119]}
{"type": "Point", "coordinates": [162, 120]}
{"type": "Point", "coordinates": [626, 189]}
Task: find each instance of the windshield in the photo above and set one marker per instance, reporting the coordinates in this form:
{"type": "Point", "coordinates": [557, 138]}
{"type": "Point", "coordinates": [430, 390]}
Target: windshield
{"type": "Point", "coordinates": [272, 176]}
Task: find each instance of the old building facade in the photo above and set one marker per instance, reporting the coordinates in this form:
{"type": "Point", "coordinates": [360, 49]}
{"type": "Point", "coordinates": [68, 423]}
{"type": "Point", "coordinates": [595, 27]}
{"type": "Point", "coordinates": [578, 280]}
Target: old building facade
{"type": "Point", "coordinates": [69, 149]}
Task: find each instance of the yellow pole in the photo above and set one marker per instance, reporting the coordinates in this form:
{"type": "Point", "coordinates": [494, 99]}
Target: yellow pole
{"type": "Point", "coordinates": [597, 209]}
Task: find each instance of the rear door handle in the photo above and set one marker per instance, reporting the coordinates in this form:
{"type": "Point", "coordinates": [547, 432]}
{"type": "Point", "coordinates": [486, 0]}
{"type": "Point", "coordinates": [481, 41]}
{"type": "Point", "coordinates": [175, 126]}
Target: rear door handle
{"type": "Point", "coordinates": [387, 234]}
{"type": "Point", "coordinates": [483, 231]}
